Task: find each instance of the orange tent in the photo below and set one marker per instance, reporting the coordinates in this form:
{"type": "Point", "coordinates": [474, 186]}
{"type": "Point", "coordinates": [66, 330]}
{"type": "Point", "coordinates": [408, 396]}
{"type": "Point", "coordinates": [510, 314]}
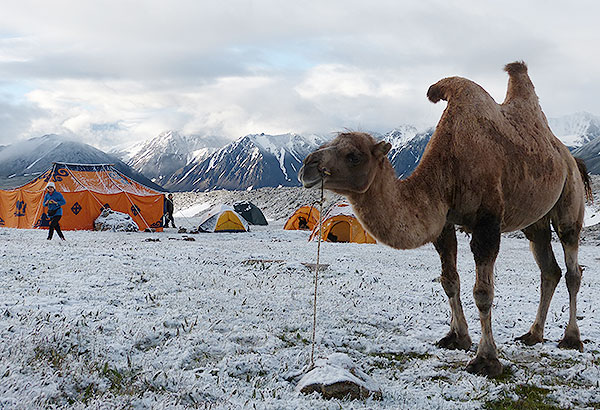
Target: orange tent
{"type": "Point", "coordinates": [306, 215]}
{"type": "Point", "coordinates": [341, 225]}
{"type": "Point", "coordinates": [86, 189]}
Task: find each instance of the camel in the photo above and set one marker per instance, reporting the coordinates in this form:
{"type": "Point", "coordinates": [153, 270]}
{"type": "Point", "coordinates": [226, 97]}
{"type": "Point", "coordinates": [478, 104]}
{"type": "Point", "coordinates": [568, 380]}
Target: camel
{"type": "Point", "coordinates": [488, 168]}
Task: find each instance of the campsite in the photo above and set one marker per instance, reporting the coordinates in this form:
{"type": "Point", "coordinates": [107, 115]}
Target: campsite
{"type": "Point", "coordinates": [87, 189]}
{"type": "Point", "coordinates": [152, 320]}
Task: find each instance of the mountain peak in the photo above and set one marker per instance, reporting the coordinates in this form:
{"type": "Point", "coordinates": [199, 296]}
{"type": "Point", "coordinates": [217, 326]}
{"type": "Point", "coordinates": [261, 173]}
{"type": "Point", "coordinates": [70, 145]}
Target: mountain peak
{"type": "Point", "coordinates": [576, 129]}
{"type": "Point", "coordinates": [23, 160]}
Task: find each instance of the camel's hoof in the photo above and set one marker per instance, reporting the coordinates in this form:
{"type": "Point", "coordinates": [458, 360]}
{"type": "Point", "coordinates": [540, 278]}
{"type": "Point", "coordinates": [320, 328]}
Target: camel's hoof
{"type": "Point", "coordinates": [453, 342]}
{"type": "Point", "coordinates": [571, 343]}
{"type": "Point", "coordinates": [529, 339]}
{"type": "Point", "coordinates": [485, 367]}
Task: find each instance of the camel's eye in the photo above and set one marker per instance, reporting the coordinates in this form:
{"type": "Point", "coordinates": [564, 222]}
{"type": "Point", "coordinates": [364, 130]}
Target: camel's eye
{"type": "Point", "coordinates": [353, 158]}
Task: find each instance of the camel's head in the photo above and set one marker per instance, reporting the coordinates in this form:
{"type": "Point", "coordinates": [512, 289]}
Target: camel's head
{"type": "Point", "coordinates": [348, 164]}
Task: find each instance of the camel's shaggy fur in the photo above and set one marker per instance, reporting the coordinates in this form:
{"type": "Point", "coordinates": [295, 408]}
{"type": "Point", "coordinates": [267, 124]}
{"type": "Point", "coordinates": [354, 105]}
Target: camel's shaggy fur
{"type": "Point", "coordinates": [489, 168]}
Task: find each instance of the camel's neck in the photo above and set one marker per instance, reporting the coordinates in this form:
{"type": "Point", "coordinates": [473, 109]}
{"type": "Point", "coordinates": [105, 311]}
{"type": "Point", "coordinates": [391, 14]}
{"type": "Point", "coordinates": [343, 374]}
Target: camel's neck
{"type": "Point", "coordinates": [403, 214]}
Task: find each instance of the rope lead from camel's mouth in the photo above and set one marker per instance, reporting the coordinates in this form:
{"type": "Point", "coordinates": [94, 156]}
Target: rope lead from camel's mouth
{"type": "Point", "coordinates": [314, 327]}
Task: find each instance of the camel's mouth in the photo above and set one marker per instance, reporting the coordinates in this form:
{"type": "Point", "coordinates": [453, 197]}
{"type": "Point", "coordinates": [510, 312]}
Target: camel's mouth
{"type": "Point", "coordinates": [311, 183]}
{"type": "Point", "coordinates": [309, 175]}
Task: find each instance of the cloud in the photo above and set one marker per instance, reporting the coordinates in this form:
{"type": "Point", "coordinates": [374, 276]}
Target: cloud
{"type": "Point", "coordinates": [126, 70]}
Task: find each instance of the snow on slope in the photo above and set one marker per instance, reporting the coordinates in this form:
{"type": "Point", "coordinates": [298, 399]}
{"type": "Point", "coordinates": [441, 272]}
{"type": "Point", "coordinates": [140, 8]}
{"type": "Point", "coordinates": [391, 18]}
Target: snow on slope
{"type": "Point", "coordinates": [576, 129]}
{"type": "Point", "coordinates": [111, 320]}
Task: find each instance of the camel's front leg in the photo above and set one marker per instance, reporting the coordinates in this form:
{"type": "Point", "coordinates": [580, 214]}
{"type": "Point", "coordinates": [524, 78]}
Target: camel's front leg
{"type": "Point", "coordinates": [458, 337]}
{"type": "Point", "coordinates": [485, 244]}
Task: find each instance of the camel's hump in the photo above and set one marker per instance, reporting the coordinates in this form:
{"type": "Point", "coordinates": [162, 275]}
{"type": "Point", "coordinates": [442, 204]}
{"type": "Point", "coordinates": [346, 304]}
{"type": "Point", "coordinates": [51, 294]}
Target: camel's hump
{"type": "Point", "coordinates": [517, 67]}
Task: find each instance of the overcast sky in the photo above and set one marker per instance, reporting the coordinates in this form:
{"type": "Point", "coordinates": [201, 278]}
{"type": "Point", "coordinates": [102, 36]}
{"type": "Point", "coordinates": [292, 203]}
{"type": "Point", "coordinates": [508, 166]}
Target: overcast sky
{"type": "Point", "coordinates": [110, 72]}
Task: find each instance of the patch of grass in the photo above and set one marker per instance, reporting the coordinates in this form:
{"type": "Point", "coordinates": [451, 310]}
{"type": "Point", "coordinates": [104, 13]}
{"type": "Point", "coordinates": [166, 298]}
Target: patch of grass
{"type": "Point", "coordinates": [292, 340]}
{"type": "Point", "coordinates": [396, 359]}
{"type": "Point", "coordinates": [595, 357]}
{"type": "Point", "coordinates": [506, 376]}
{"type": "Point", "coordinates": [452, 365]}
{"type": "Point", "coordinates": [440, 378]}
{"type": "Point", "coordinates": [529, 397]}
{"type": "Point", "coordinates": [121, 381]}
{"type": "Point", "coordinates": [51, 355]}
{"type": "Point", "coordinates": [559, 362]}
{"type": "Point", "coordinates": [401, 356]}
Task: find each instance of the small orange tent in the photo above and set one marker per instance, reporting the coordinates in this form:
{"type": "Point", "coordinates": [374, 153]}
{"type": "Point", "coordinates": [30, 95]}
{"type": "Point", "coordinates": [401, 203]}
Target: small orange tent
{"type": "Point", "coordinates": [86, 189]}
{"type": "Point", "coordinates": [341, 225]}
{"type": "Point", "coordinates": [307, 216]}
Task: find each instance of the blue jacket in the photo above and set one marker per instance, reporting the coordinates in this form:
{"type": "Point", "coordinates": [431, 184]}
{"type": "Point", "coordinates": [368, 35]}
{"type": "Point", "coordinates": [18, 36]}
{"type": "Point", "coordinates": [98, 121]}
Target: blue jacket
{"type": "Point", "coordinates": [58, 199]}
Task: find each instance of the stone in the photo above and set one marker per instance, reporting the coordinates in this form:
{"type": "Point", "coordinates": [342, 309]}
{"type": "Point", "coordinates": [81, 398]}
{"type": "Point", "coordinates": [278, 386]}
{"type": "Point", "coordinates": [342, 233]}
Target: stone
{"type": "Point", "coordinates": [337, 377]}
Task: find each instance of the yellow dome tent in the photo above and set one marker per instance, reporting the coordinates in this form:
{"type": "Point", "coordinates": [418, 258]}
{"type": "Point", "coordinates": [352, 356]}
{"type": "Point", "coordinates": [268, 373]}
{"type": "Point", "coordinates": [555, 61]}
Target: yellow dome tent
{"type": "Point", "coordinates": [306, 218]}
{"type": "Point", "coordinates": [341, 225]}
{"type": "Point", "coordinates": [87, 189]}
{"type": "Point", "coordinates": [222, 218]}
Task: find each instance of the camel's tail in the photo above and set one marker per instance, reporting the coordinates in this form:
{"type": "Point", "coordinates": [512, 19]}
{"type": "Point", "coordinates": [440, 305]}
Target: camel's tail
{"type": "Point", "coordinates": [586, 180]}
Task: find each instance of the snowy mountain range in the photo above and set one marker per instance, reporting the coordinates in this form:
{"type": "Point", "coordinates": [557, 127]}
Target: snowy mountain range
{"type": "Point", "coordinates": [577, 129]}
{"type": "Point", "coordinates": [201, 163]}
{"type": "Point", "coordinates": [162, 156]}
{"type": "Point", "coordinates": [253, 161]}
{"type": "Point", "coordinates": [590, 153]}
{"type": "Point", "coordinates": [24, 160]}
{"type": "Point", "coordinates": [408, 144]}
{"type": "Point", "coordinates": [260, 160]}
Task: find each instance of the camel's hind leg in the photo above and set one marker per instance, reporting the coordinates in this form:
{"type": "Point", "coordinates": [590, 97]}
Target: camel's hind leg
{"type": "Point", "coordinates": [540, 238]}
{"type": "Point", "coordinates": [569, 237]}
{"type": "Point", "coordinates": [567, 220]}
{"type": "Point", "coordinates": [458, 337]}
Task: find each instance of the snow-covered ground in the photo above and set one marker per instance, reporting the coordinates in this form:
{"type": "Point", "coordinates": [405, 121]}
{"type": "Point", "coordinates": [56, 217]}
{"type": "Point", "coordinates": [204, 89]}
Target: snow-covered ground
{"type": "Point", "coordinates": [151, 320]}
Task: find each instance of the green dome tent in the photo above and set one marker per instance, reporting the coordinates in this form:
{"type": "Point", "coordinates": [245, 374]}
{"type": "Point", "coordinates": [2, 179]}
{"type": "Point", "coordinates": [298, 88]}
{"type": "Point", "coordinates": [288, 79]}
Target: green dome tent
{"type": "Point", "coordinates": [250, 212]}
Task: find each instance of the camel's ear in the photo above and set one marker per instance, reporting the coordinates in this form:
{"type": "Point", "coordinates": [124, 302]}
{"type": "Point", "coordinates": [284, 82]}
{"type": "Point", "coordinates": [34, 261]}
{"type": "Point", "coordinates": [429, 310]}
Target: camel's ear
{"type": "Point", "coordinates": [381, 149]}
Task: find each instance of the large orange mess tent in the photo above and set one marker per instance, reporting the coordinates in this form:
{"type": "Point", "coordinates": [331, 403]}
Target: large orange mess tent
{"type": "Point", "coordinates": [341, 225]}
{"type": "Point", "coordinates": [86, 189]}
{"type": "Point", "coordinates": [306, 217]}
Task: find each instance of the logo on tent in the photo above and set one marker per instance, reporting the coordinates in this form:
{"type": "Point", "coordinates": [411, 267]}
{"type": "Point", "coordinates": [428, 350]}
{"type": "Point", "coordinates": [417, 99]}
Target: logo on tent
{"type": "Point", "coordinates": [58, 173]}
{"type": "Point", "coordinates": [21, 206]}
{"type": "Point", "coordinates": [115, 175]}
{"type": "Point", "coordinates": [43, 221]}
{"type": "Point", "coordinates": [76, 208]}
{"type": "Point", "coordinates": [1, 222]}
{"type": "Point", "coordinates": [135, 210]}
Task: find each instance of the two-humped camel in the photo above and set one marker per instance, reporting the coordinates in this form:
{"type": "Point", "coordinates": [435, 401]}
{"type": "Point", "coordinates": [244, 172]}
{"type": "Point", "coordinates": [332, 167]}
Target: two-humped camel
{"type": "Point", "coordinates": [489, 168]}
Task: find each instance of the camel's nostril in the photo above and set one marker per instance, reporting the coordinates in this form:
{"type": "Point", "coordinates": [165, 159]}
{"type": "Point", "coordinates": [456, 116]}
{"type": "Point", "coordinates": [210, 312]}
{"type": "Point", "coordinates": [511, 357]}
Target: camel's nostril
{"type": "Point", "coordinates": [325, 171]}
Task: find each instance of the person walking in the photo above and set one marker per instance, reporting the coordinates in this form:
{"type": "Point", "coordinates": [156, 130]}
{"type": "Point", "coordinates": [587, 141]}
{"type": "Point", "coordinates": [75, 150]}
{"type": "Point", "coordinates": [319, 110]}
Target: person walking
{"type": "Point", "coordinates": [169, 207]}
{"type": "Point", "coordinates": [54, 201]}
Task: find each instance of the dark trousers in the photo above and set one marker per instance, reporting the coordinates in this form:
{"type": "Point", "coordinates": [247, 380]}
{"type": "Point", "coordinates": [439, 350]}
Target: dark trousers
{"type": "Point", "coordinates": [54, 226]}
{"type": "Point", "coordinates": [169, 217]}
